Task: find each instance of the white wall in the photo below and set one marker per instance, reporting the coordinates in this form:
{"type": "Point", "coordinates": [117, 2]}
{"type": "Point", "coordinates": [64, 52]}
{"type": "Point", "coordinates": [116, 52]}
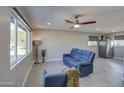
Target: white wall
{"type": "Point", "coordinates": [59, 42]}
{"type": "Point", "coordinates": [16, 76]}
{"type": "Point", "coordinates": [4, 45]}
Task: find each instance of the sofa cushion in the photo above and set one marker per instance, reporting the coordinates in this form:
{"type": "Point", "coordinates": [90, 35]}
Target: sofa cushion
{"type": "Point", "coordinates": [84, 58]}
{"type": "Point", "coordinates": [87, 53]}
{"type": "Point", "coordinates": [77, 63]}
{"type": "Point", "coordinates": [73, 62]}
{"type": "Point", "coordinates": [70, 61]}
{"type": "Point", "coordinates": [75, 53]}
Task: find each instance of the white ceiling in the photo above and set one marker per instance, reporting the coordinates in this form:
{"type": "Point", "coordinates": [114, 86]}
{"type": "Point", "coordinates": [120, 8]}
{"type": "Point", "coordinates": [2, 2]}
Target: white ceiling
{"type": "Point", "coordinates": [107, 18]}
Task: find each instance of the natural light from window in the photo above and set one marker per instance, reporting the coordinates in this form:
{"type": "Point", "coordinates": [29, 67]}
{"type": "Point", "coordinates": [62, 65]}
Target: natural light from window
{"type": "Point", "coordinates": [20, 39]}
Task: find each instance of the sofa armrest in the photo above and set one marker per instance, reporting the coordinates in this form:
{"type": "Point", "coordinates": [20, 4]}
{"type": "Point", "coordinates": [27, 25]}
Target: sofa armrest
{"type": "Point", "coordinates": [91, 59]}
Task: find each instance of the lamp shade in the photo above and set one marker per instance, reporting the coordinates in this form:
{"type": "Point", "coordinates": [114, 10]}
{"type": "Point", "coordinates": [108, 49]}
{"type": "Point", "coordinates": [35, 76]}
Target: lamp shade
{"type": "Point", "coordinates": [36, 42]}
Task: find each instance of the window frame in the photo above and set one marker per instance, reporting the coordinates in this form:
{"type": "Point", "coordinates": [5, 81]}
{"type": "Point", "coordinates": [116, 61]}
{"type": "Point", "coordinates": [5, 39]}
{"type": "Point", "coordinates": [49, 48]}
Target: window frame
{"type": "Point", "coordinates": [92, 42]}
{"type": "Point", "coordinates": [17, 19]}
{"type": "Point", "coordinates": [14, 36]}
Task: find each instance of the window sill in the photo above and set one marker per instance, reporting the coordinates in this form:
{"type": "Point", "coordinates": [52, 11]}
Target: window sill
{"type": "Point", "coordinates": [19, 61]}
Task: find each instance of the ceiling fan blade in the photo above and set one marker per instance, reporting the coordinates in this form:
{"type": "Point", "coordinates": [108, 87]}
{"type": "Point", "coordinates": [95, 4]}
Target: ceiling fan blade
{"type": "Point", "coordinates": [68, 21]}
{"type": "Point", "coordinates": [85, 23]}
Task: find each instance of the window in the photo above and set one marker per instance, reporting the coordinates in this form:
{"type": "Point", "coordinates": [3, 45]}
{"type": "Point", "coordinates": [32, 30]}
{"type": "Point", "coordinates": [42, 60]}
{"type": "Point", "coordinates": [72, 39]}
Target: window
{"type": "Point", "coordinates": [20, 38]}
{"type": "Point", "coordinates": [119, 40]}
{"type": "Point", "coordinates": [93, 41]}
{"type": "Point", "coordinates": [21, 41]}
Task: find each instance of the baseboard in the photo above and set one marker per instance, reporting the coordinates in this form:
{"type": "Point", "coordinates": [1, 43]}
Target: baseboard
{"type": "Point", "coordinates": [54, 59]}
{"type": "Point", "coordinates": [25, 79]}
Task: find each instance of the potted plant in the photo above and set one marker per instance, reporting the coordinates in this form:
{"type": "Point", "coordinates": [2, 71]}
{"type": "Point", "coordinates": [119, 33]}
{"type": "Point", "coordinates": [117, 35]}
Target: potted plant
{"type": "Point", "coordinates": [43, 52]}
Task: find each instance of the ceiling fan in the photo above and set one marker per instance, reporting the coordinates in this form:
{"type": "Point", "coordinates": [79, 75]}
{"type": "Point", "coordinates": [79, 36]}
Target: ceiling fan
{"type": "Point", "coordinates": [77, 24]}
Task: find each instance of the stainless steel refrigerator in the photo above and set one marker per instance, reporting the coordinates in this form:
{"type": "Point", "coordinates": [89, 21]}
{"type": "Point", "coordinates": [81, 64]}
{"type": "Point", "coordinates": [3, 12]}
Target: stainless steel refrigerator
{"type": "Point", "coordinates": [105, 48]}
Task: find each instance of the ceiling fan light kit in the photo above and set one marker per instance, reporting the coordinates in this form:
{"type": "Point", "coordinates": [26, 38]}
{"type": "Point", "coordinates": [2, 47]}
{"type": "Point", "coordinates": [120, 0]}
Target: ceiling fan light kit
{"type": "Point", "coordinates": [77, 24]}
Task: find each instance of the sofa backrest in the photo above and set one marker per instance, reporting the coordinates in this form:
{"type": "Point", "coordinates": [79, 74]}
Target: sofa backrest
{"type": "Point", "coordinates": [82, 55]}
{"type": "Point", "coordinates": [75, 54]}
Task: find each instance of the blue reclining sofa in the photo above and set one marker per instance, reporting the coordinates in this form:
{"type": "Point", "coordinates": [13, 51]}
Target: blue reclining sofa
{"type": "Point", "coordinates": [81, 59]}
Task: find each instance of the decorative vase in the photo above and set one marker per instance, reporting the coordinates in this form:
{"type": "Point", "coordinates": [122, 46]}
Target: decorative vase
{"type": "Point", "coordinates": [43, 52]}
